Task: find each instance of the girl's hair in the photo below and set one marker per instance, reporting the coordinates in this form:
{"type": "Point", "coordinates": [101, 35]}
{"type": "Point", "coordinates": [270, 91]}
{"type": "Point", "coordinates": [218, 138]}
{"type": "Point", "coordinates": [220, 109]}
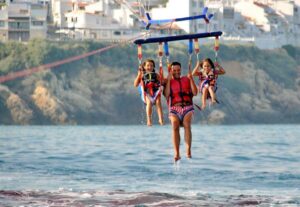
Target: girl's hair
{"type": "Point", "coordinates": [209, 61]}
{"type": "Point", "coordinates": [150, 61]}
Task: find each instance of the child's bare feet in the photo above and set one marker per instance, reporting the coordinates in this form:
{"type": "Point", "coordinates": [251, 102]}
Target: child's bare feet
{"type": "Point", "coordinates": [203, 106]}
{"type": "Point", "coordinates": [149, 121]}
{"type": "Point", "coordinates": [188, 153]}
{"type": "Point", "coordinates": [161, 122]}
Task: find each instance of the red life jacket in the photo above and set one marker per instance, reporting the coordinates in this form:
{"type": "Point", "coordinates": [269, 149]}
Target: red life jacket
{"type": "Point", "coordinates": [181, 91]}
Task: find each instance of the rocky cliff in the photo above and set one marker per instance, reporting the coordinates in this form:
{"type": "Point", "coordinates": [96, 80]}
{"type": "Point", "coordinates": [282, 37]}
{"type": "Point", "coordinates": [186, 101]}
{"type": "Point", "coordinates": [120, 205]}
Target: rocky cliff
{"type": "Point", "coordinates": [259, 87]}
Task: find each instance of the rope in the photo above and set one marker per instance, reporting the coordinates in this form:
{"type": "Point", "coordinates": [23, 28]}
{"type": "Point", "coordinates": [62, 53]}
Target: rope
{"type": "Point", "coordinates": [27, 72]}
{"type": "Point", "coordinates": [216, 48]}
{"type": "Point", "coordinates": [190, 51]}
{"type": "Point", "coordinates": [197, 48]}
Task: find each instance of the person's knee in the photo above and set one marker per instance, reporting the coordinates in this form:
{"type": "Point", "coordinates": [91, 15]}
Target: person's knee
{"type": "Point", "coordinates": [187, 121]}
{"type": "Point", "coordinates": [175, 124]}
{"type": "Point", "coordinates": [158, 102]}
{"type": "Point", "coordinates": [187, 125]}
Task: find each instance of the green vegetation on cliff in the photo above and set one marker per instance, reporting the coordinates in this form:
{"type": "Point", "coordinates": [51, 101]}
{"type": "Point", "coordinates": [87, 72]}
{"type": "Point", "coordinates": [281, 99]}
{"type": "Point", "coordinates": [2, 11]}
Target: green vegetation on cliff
{"type": "Point", "coordinates": [260, 86]}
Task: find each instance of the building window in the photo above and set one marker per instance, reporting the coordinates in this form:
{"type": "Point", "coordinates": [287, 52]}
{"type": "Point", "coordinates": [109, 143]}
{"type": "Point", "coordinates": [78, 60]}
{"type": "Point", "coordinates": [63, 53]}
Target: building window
{"type": "Point", "coordinates": [23, 11]}
{"type": "Point", "coordinates": [117, 33]}
{"type": "Point", "coordinates": [74, 19]}
{"type": "Point", "coordinates": [2, 23]}
{"type": "Point", "coordinates": [18, 25]}
{"type": "Point", "coordinates": [37, 23]}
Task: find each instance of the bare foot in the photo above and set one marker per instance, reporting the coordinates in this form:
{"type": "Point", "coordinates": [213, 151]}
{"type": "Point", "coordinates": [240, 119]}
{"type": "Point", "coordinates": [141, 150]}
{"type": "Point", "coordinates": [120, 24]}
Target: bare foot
{"type": "Point", "coordinates": [213, 101]}
{"type": "Point", "coordinates": [177, 158]}
{"type": "Point", "coordinates": [161, 122]}
{"type": "Point", "coordinates": [149, 121]}
{"type": "Point", "coordinates": [203, 107]}
{"type": "Point", "coordinates": [188, 153]}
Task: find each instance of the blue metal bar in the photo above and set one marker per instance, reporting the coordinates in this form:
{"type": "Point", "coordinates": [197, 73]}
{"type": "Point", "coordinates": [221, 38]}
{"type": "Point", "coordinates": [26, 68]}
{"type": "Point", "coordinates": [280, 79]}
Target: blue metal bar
{"type": "Point", "coordinates": [190, 46]}
{"type": "Point", "coordinates": [161, 21]}
{"type": "Point", "coordinates": [152, 21]}
{"type": "Point", "coordinates": [166, 49]}
{"type": "Point", "coordinates": [177, 38]}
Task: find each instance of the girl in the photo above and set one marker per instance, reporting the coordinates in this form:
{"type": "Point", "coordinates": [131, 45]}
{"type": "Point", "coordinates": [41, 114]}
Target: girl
{"type": "Point", "coordinates": [208, 75]}
{"type": "Point", "coordinates": [149, 81]}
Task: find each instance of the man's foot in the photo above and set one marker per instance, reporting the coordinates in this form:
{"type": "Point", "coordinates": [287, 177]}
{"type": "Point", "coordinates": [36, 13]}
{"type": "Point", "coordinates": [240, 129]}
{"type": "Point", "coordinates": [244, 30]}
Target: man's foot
{"type": "Point", "coordinates": [213, 101]}
{"type": "Point", "coordinates": [177, 158]}
{"type": "Point", "coordinates": [189, 156]}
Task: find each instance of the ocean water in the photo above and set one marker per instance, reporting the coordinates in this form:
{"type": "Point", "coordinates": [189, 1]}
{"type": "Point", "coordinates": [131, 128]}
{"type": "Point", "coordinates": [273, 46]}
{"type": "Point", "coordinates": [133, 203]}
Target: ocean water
{"type": "Point", "coordinates": [247, 165]}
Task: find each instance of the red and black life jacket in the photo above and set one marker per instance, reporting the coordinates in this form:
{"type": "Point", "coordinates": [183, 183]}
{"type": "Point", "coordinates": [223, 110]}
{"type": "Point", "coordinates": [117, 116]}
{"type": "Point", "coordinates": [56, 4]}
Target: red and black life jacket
{"type": "Point", "coordinates": [181, 91]}
{"type": "Point", "coordinates": [151, 82]}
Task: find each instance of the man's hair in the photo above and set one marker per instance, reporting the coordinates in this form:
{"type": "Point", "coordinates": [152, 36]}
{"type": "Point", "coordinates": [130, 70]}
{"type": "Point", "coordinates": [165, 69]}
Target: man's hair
{"type": "Point", "coordinates": [175, 63]}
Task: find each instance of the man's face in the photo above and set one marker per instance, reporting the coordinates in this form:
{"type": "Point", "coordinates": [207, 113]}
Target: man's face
{"type": "Point", "coordinates": [176, 71]}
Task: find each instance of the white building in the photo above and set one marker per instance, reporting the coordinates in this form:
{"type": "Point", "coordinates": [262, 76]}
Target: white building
{"type": "Point", "coordinates": [95, 20]}
{"type": "Point", "coordinates": [265, 23]}
{"type": "Point", "coordinates": [23, 20]}
{"type": "Point", "coordinates": [187, 8]}
{"type": "Point", "coordinates": [58, 10]}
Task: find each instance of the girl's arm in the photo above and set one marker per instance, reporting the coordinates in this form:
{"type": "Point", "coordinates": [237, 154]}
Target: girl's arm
{"type": "Point", "coordinates": [138, 79]}
{"type": "Point", "coordinates": [193, 85]}
{"type": "Point", "coordinates": [196, 69]}
{"type": "Point", "coordinates": [220, 70]}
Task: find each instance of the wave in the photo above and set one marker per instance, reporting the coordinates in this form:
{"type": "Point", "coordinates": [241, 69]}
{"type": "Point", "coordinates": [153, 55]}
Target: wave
{"type": "Point", "coordinates": [68, 198]}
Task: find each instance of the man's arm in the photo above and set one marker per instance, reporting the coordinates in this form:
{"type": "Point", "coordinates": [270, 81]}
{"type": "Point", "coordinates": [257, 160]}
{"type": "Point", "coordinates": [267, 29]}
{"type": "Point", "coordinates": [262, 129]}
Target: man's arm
{"type": "Point", "coordinates": [167, 89]}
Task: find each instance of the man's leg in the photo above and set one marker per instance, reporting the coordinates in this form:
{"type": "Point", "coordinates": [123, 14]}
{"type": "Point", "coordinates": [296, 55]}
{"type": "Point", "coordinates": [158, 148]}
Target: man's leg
{"type": "Point", "coordinates": [187, 121]}
{"type": "Point", "coordinates": [175, 122]}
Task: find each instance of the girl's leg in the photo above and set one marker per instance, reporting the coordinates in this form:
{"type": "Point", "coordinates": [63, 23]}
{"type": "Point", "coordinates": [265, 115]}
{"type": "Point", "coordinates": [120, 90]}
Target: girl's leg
{"type": "Point", "coordinates": [149, 111]}
{"type": "Point", "coordinates": [159, 111]}
{"type": "Point", "coordinates": [212, 94]}
{"type": "Point", "coordinates": [204, 97]}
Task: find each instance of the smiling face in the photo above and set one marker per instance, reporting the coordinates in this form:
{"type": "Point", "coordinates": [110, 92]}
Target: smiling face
{"type": "Point", "coordinates": [176, 71]}
{"type": "Point", "coordinates": [206, 66]}
{"type": "Point", "coordinates": [149, 66]}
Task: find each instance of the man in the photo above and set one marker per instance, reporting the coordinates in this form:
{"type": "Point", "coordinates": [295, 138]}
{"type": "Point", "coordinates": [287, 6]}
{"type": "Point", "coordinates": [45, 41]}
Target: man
{"type": "Point", "coordinates": [179, 92]}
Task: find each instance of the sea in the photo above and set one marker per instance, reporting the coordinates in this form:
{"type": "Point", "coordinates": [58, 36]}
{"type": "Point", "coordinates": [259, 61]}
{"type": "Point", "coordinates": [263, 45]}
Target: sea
{"type": "Point", "coordinates": [236, 165]}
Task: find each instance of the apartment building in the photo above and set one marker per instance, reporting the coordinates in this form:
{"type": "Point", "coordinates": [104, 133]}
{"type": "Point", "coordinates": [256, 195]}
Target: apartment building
{"type": "Point", "coordinates": [95, 20]}
{"type": "Point", "coordinates": [265, 23]}
{"type": "Point", "coordinates": [22, 21]}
